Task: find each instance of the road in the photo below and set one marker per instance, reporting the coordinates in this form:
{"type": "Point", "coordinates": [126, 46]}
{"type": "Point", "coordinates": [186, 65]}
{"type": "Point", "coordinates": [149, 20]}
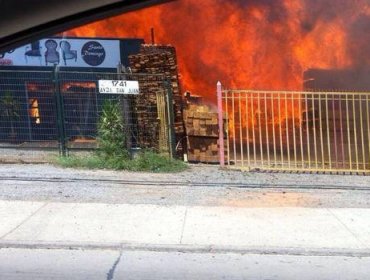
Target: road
{"type": "Point", "coordinates": [204, 223]}
{"type": "Point", "coordinates": [20, 264]}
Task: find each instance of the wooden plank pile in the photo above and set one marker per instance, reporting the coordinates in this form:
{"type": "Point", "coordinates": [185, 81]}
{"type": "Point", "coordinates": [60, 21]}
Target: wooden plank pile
{"type": "Point", "coordinates": [200, 121]}
{"type": "Point", "coordinates": [201, 124]}
{"type": "Point", "coordinates": [157, 60]}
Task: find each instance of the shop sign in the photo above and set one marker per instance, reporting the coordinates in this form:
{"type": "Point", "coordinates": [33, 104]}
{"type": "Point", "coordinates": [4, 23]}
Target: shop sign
{"type": "Point", "coordinates": [118, 87]}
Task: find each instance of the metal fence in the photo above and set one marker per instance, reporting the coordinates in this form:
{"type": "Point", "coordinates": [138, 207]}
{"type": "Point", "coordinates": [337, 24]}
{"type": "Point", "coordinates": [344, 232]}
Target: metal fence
{"type": "Point", "coordinates": [297, 131]}
{"type": "Point", "coordinates": [60, 110]}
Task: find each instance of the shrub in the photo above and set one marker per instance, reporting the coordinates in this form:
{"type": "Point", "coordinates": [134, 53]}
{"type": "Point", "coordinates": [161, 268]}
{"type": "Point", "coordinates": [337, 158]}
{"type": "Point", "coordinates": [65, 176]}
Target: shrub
{"type": "Point", "coordinates": [111, 135]}
{"type": "Point", "coordinates": [112, 152]}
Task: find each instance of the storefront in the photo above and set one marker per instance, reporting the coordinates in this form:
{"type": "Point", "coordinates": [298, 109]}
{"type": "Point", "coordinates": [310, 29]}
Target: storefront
{"type": "Point", "coordinates": [30, 77]}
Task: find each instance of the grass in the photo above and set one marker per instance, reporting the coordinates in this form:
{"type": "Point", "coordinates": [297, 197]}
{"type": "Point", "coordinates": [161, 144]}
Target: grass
{"type": "Point", "coordinates": [146, 161]}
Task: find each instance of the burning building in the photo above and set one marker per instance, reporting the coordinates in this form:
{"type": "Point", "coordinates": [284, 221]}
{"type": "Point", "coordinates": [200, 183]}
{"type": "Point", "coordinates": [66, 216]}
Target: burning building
{"type": "Point", "coordinates": [28, 85]}
{"type": "Point", "coordinates": [51, 93]}
{"type": "Point", "coordinates": [265, 46]}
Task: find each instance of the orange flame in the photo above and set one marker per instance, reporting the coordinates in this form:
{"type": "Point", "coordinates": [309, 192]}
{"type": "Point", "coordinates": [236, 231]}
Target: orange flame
{"type": "Point", "coordinates": [250, 44]}
{"type": "Point", "coordinates": [246, 44]}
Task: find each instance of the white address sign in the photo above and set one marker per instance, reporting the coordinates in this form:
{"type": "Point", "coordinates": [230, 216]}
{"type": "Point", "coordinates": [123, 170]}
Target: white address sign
{"type": "Point", "coordinates": [118, 87]}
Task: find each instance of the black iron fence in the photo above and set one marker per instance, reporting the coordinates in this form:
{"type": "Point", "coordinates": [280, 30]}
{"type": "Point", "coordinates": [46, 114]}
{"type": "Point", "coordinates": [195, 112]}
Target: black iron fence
{"type": "Point", "coordinates": [60, 110]}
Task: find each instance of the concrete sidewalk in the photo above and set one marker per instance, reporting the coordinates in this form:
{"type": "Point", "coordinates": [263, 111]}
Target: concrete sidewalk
{"type": "Point", "coordinates": [223, 228]}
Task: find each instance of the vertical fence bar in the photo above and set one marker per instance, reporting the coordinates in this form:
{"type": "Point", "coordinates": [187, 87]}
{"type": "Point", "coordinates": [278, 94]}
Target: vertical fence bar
{"type": "Point", "coordinates": [342, 132]}
{"type": "Point", "coordinates": [314, 130]}
{"type": "Point", "coordinates": [281, 132]}
{"type": "Point", "coordinates": [362, 134]}
{"type": "Point", "coordinates": [267, 133]}
{"type": "Point", "coordinates": [273, 127]}
{"type": "Point", "coordinates": [247, 128]}
{"type": "Point", "coordinates": [234, 125]}
{"type": "Point", "coordinates": [220, 125]}
{"type": "Point", "coordinates": [335, 131]}
{"type": "Point", "coordinates": [328, 129]}
{"type": "Point", "coordinates": [125, 105]}
{"type": "Point", "coordinates": [355, 130]}
{"type": "Point", "coordinates": [28, 116]}
{"type": "Point", "coordinates": [226, 93]}
{"type": "Point", "coordinates": [287, 128]}
{"type": "Point", "coordinates": [260, 126]}
{"type": "Point", "coordinates": [241, 129]}
{"type": "Point", "coordinates": [321, 134]}
{"type": "Point", "coordinates": [60, 113]}
{"type": "Point", "coordinates": [294, 136]}
{"type": "Point", "coordinates": [308, 132]}
{"type": "Point", "coordinates": [348, 134]}
{"type": "Point", "coordinates": [162, 116]}
{"type": "Point", "coordinates": [301, 130]}
{"type": "Point", "coordinates": [171, 118]}
{"type": "Point", "coordinates": [254, 133]}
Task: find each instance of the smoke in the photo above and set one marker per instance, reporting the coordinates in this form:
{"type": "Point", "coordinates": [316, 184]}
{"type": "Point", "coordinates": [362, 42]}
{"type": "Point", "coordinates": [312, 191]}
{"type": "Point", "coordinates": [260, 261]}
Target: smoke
{"type": "Point", "coordinates": [327, 11]}
{"type": "Point", "coordinates": [275, 9]}
{"type": "Point", "coordinates": [359, 41]}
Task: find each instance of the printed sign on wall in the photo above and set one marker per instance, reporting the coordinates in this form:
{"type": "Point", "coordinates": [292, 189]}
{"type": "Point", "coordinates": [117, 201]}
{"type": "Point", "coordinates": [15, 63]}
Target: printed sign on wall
{"type": "Point", "coordinates": [68, 52]}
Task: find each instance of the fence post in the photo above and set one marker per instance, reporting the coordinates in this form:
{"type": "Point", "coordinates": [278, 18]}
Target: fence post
{"type": "Point", "coordinates": [220, 125]}
{"type": "Point", "coordinates": [170, 119]}
{"type": "Point", "coordinates": [60, 114]}
{"type": "Point", "coordinates": [126, 110]}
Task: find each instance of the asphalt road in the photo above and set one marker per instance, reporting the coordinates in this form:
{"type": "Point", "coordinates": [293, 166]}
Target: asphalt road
{"type": "Point", "coordinates": [17, 264]}
{"type": "Point", "coordinates": [203, 186]}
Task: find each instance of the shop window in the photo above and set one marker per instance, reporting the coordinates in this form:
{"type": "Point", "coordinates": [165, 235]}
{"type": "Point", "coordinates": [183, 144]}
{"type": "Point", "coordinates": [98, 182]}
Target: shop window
{"type": "Point", "coordinates": [34, 111]}
{"type": "Point", "coordinates": [79, 87]}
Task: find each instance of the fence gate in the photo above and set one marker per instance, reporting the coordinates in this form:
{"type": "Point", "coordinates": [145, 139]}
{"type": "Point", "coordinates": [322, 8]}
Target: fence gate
{"type": "Point", "coordinates": [296, 131]}
{"type": "Point", "coordinates": [60, 110]}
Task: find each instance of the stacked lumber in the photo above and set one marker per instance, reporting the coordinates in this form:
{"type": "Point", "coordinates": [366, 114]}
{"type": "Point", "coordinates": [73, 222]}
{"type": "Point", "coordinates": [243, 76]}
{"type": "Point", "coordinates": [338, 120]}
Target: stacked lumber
{"type": "Point", "coordinates": [203, 150]}
{"type": "Point", "coordinates": [201, 124]}
{"type": "Point", "coordinates": [156, 60]}
{"type": "Point", "coordinates": [200, 121]}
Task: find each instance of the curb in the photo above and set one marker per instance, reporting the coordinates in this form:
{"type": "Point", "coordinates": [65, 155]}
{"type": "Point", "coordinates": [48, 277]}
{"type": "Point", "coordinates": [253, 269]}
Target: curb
{"type": "Point", "coordinates": [186, 248]}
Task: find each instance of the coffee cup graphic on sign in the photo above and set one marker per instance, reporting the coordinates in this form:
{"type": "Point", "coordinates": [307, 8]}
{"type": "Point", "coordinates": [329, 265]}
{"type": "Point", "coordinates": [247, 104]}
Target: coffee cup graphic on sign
{"type": "Point", "coordinates": [93, 53]}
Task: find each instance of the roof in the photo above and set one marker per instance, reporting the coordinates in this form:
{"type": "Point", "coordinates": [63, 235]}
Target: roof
{"type": "Point", "coordinates": [23, 21]}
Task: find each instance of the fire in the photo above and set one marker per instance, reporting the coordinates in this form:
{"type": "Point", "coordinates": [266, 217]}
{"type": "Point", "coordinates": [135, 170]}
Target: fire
{"type": "Point", "coordinates": [251, 44]}
{"type": "Point", "coordinates": [85, 85]}
{"type": "Point", "coordinates": [248, 43]}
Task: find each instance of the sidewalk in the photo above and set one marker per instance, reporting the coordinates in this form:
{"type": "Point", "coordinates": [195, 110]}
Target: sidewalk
{"type": "Point", "coordinates": [184, 227]}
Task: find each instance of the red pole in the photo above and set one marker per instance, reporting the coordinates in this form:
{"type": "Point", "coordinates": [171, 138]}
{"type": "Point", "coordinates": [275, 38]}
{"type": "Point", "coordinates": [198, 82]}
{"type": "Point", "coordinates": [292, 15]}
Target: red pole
{"type": "Point", "coordinates": [220, 125]}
